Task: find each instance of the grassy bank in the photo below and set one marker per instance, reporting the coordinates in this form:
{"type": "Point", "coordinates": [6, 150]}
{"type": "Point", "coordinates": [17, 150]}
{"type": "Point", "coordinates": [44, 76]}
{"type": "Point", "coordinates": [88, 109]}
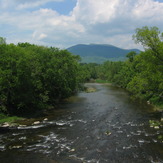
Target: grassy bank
{"type": "Point", "coordinates": [10, 119]}
{"type": "Point", "coordinates": [101, 81]}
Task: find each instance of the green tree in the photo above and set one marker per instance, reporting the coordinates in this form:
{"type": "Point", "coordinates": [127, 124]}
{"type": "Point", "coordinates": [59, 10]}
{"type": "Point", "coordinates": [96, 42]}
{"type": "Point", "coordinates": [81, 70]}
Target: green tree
{"type": "Point", "coordinates": [109, 69]}
{"type": "Point", "coordinates": [147, 81]}
{"type": "Point", "coordinates": [151, 39]}
{"type": "Point", "coordinates": [35, 77]}
{"type": "Point", "coordinates": [131, 56]}
{"type": "Point", "coordinates": [2, 40]}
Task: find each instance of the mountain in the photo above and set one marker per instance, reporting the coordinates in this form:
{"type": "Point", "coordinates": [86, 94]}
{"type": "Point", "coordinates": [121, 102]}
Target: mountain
{"type": "Point", "coordinates": [99, 53]}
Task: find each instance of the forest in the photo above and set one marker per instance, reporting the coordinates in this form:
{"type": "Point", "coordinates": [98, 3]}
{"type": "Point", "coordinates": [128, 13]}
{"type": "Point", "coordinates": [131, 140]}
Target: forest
{"type": "Point", "coordinates": [34, 77]}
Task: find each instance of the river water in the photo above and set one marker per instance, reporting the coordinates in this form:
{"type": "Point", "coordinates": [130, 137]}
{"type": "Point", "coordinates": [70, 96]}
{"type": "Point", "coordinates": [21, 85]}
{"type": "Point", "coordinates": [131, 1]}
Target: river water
{"type": "Point", "coordinates": [105, 126]}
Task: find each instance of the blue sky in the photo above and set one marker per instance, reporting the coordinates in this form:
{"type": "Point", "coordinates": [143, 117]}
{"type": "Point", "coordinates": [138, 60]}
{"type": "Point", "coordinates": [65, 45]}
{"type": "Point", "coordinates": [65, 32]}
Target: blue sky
{"type": "Point", "coordinates": [63, 23]}
{"type": "Point", "coordinates": [63, 7]}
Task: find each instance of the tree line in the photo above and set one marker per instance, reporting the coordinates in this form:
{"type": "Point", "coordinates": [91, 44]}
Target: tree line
{"type": "Point", "coordinates": [141, 74]}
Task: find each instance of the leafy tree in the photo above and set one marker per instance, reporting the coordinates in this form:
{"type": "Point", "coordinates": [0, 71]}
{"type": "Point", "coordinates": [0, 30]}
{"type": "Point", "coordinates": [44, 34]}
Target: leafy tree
{"type": "Point", "coordinates": [109, 69]}
{"type": "Point", "coordinates": [2, 40]}
{"type": "Point", "coordinates": [148, 81]}
{"type": "Point", "coordinates": [131, 56]}
{"type": "Point", "coordinates": [35, 77]}
{"type": "Point", "coordinates": [150, 38]}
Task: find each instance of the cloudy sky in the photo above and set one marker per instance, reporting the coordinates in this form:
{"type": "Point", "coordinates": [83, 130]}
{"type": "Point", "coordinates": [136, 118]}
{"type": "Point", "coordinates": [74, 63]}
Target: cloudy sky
{"type": "Point", "coordinates": [63, 23]}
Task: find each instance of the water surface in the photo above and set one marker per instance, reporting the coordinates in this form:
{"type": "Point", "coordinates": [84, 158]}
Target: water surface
{"type": "Point", "coordinates": [98, 127]}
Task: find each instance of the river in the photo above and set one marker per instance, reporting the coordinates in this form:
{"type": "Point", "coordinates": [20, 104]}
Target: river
{"type": "Point", "coordinates": [105, 126]}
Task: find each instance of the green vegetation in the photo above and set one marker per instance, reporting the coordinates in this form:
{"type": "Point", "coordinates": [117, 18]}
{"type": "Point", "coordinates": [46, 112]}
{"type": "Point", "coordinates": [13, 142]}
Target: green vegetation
{"type": "Point", "coordinates": [4, 118]}
{"type": "Point", "coordinates": [100, 60]}
{"type": "Point", "coordinates": [101, 81]}
{"type": "Point", "coordinates": [145, 71]}
{"type": "Point", "coordinates": [141, 74]}
{"type": "Point", "coordinates": [36, 77]}
{"type": "Point", "coordinates": [94, 59]}
{"type": "Point", "coordinates": [155, 124]}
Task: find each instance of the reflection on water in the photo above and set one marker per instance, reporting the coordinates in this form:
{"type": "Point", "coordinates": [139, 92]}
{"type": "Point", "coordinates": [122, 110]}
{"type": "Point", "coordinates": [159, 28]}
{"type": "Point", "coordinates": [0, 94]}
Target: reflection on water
{"type": "Point", "coordinates": [97, 127]}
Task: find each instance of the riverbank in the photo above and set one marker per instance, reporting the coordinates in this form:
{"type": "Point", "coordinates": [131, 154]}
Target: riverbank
{"type": "Point", "coordinates": [10, 119]}
{"type": "Point", "coordinates": [7, 122]}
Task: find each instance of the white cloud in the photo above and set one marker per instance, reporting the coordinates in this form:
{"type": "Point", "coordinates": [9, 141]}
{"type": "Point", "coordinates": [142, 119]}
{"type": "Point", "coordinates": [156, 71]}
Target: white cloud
{"type": "Point", "coordinates": [92, 12]}
{"type": "Point", "coordinates": [39, 36]}
{"type": "Point", "coordinates": [148, 9]}
{"type": "Point", "coordinates": [91, 21]}
{"type": "Point", "coordinates": [114, 19]}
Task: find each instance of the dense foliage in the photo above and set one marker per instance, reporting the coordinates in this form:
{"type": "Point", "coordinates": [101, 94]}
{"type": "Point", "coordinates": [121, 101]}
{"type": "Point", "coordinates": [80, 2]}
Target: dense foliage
{"type": "Point", "coordinates": [141, 74]}
{"type": "Point", "coordinates": [35, 77]}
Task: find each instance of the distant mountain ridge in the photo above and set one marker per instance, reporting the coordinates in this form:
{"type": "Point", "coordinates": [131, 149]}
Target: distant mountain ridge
{"type": "Point", "coordinates": [99, 52]}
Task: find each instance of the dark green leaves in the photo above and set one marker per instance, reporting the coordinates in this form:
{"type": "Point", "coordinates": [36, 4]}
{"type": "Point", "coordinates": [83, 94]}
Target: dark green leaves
{"type": "Point", "coordinates": [35, 77]}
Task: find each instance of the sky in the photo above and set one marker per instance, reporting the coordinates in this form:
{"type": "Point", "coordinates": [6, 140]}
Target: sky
{"type": "Point", "coordinates": [64, 23]}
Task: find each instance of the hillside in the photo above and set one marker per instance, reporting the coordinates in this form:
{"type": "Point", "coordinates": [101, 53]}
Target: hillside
{"type": "Point", "coordinates": [99, 53]}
